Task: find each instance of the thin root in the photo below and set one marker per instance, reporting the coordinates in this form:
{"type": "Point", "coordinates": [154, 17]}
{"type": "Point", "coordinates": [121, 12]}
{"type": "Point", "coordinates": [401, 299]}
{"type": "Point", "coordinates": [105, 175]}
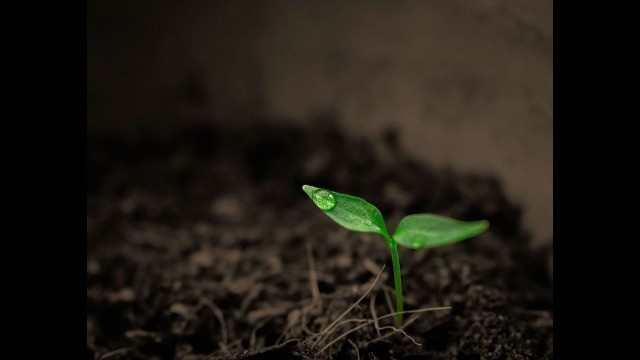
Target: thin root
{"type": "Point", "coordinates": [355, 348]}
{"type": "Point", "coordinates": [368, 322]}
{"type": "Point", "coordinates": [374, 315]}
{"type": "Point", "coordinates": [328, 328]}
{"type": "Point", "coordinates": [396, 330]}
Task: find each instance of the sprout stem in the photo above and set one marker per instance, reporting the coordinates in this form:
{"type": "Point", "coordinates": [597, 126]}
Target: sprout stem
{"type": "Point", "coordinates": [397, 277]}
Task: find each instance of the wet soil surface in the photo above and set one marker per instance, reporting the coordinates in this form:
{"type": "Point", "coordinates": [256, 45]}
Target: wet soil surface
{"type": "Point", "coordinates": [202, 245]}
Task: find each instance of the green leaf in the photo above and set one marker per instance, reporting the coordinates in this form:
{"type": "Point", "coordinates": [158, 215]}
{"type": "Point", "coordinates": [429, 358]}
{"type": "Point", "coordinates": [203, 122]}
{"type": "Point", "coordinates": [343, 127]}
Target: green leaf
{"type": "Point", "coordinates": [351, 212]}
{"type": "Point", "coordinates": [426, 230]}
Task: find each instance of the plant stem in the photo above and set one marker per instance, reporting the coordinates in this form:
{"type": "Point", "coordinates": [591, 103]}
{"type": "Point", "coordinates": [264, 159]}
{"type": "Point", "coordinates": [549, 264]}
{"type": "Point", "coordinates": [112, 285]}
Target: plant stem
{"type": "Point", "coordinates": [393, 246]}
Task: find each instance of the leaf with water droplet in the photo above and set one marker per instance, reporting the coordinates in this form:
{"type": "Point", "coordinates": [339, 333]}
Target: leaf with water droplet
{"type": "Point", "coordinates": [324, 199]}
{"type": "Point", "coordinates": [427, 230]}
{"type": "Point", "coordinates": [351, 212]}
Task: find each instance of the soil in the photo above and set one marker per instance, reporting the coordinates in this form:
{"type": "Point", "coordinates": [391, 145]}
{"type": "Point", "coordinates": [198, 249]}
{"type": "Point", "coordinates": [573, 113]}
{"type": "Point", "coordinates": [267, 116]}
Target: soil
{"type": "Point", "coordinates": [201, 244]}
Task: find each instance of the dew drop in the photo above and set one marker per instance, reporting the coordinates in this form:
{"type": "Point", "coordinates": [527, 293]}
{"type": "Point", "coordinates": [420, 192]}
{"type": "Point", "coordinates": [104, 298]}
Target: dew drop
{"type": "Point", "coordinates": [368, 222]}
{"type": "Point", "coordinates": [324, 199]}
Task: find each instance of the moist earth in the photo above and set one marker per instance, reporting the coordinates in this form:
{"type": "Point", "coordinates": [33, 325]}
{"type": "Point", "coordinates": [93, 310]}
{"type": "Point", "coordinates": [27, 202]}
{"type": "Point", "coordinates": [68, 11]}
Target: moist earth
{"type": "Point", "coordinates": [201, 244]}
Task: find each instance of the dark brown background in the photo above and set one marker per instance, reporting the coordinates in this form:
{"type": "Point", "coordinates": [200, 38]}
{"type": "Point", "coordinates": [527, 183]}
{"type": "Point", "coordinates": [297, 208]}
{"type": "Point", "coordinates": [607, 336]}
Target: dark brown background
{"type": "Point", "coordinates": [468, 84]}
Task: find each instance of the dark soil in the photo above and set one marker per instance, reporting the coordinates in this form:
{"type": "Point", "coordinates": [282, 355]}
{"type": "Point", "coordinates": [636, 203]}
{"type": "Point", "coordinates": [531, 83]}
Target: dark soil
{"type": "Point", "coordinates": [202, 245]}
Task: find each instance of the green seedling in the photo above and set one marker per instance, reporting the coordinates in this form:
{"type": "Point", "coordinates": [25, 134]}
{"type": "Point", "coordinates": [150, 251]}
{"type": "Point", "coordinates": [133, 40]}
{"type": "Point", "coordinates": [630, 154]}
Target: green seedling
{"type": "Point", "coordinates": [416, 231]}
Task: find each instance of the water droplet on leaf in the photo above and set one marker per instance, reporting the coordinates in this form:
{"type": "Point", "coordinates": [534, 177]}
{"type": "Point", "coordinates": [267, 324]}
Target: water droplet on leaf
{"type": "Point", "coordinates": [324, 199]}
{"type": "Point", "coordinates": [368, 222]}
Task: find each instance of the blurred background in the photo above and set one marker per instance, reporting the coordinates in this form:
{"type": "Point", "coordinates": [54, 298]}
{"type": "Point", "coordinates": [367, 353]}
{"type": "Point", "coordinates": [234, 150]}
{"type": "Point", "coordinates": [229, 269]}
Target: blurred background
{"type": "Point", "coordinates": [462, 85]}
